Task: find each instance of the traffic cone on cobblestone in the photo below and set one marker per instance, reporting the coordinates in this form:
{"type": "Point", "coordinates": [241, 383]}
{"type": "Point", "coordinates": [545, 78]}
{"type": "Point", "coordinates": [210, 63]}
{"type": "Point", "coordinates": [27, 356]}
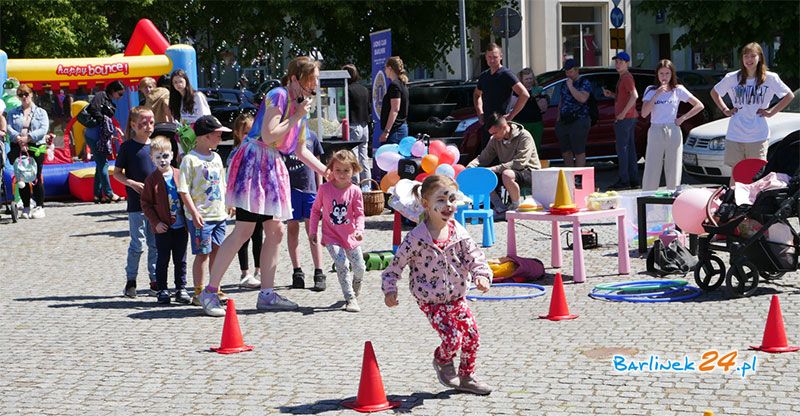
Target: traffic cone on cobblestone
{"type": "Point", "coordinates": [775, 333]}
{"type": "Point", "coordinates": [371, 396]}
{"type": "Point", "coordinates": [232, 341]}
{"type": "Point", "coordinates": [559, 311]}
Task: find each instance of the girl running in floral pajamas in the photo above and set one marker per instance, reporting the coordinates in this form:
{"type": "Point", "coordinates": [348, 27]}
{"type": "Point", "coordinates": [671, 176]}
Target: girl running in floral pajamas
{"type": "Point", "coordinates": [443, 260]}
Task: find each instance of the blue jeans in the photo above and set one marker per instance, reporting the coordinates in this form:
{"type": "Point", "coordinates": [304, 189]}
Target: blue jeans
{"type": "Point", "coordinates": [141, 234]}
{"type": "Point", "coordinates": [398, 134]}
{"type": "Point", "coordinates": [102, 183]}
{"type": "Point", "coordinates": [626, 151]}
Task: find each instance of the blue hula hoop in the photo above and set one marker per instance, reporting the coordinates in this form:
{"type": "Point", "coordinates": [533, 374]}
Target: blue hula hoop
{"type": "Point", "coordinates": [692, 292]}
{"type": "Point", "coordinates": [612, 294]}
{"type": "Point", "coordinates": [541, 292]}
{"type": "Point", "coordinates": [632, 286]}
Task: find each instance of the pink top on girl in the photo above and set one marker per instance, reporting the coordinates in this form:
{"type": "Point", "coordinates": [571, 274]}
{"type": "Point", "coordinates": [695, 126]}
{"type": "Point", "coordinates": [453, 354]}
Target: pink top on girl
{"type": "Point", "coordinates": [342, 215]}
{"type": "Point", "coordinates": [437, 275]}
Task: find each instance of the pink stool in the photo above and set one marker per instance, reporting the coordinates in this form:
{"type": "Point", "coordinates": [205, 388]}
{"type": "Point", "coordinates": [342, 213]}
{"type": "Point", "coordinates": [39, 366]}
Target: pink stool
{"type": "Point", "coordinates": [578, 268]}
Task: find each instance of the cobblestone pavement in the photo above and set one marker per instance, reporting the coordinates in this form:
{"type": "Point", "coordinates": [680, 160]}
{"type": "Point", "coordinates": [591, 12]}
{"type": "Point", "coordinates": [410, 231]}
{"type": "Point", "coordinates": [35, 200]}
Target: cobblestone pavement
{"type": "Point", "coordinates": [72, 345]}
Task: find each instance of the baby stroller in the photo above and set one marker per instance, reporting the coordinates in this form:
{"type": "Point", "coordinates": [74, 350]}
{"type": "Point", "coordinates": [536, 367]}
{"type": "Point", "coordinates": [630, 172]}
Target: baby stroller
{"type": "Point", "coordinates": [750, 231]}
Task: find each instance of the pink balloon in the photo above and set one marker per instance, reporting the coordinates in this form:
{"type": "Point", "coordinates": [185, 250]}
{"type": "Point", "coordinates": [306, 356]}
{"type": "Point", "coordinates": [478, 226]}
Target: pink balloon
{"type": "Point", "coordinates": [453, 150]}
{"type": "Point", "coordinates": [419, 149]}
{"type": "Point", "coordinates": [689, 210]}
{"type": "Point", "coordinates": [436, 148]}
{"type": "Point", "coordinates": [458, 168]}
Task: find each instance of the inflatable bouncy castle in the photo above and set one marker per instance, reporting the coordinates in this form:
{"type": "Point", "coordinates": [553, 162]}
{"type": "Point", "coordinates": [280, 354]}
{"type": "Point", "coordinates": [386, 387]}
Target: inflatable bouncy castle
{"type": "Point", "coordinates": [148, 54]}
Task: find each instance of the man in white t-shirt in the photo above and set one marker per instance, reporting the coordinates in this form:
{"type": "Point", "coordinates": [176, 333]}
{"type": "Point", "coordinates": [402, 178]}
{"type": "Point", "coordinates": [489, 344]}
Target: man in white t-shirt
{"type": "Point", "coordinates": [748, 132]}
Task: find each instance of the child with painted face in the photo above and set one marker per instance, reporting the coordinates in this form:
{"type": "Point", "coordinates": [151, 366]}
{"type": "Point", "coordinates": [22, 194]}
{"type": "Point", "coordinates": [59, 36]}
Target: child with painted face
{"type": "Point", "coordinates": [201, 187]}
{"type": "Point", "coordinates": [339, 206]}
{"type": "Point", "coordinates": [443, 261]}
{"type": "Point", "coordinates": [163, 208]}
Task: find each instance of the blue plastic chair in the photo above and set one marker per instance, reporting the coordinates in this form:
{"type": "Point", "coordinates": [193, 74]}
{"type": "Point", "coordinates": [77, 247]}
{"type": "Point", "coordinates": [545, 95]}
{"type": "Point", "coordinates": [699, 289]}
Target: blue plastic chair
{"type": "Point", "coordinates": [478, 184]}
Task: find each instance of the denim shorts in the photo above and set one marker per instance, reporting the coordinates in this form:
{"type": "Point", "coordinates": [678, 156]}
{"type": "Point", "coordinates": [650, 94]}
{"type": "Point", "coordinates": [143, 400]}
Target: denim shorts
{"type": "Point", "coordinates": [301, 204]}
{"type": "Point", "coordinates": [203, 240]}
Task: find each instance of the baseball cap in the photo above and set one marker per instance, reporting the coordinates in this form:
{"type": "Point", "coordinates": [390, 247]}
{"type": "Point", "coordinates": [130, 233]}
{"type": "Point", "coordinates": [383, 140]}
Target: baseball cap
{"type": "Point", "coordinates": [208, 124]}
{"type": "Point", "coordinates": [622, 55]}
{"type": "Point", "coordinates": [569, 64]}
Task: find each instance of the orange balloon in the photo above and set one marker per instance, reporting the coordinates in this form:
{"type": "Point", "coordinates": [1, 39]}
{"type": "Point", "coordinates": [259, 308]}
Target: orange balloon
{"type": "Point", "coordinates": [389, 180]}
{"type": "Point", "coordinates": [430, 162]}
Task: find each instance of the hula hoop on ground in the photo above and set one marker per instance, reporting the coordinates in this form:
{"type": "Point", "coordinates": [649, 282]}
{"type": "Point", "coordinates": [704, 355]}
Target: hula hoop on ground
{"type": "Point", "coordinates": [641, 285]}
{"type": "Point", "coordinates": [690, 293]}
{"type": "Point", "coordinates": [541, 292]}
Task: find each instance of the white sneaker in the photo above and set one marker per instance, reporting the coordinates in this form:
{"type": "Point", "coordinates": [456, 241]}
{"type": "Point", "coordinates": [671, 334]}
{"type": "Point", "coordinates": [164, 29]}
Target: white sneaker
{"type": "Point", "coordinates": [249, 282]}
{"type": "Point", "coordinates": [352, 305]}
{"type": "Point", "coordinates": [37, 213]}
{"type": "Point", "coordinates": [26, 213]}
{"type": "Point", "coordinates": [211, 305]}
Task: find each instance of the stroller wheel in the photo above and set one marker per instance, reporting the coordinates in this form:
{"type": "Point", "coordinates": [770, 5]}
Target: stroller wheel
{"type": "Point", "coordinates": [742, 278]}
{"type": "Point", "coordinates": [771, 275]}
{"type": "Point", "coordinates": [706, 271]}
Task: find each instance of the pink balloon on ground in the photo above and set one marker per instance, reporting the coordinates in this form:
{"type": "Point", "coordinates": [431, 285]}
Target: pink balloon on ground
{"type": "Point", "coordinates": [419, 149]}
{"type": "Point", "coordinates": [388, 161]}
{"type": "Point", "coordinates": [458, 168]}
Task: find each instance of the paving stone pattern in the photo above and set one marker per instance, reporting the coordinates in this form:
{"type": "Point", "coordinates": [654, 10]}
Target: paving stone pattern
{"type": "Point", "coordinates": [72, 345]}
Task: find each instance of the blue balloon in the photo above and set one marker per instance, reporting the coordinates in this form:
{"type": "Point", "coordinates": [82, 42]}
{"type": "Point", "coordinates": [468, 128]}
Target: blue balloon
{"type": "Point", "coordinates": [405, 145]}
{"type": "Point", "coordinates": [391, 147]}
{"type": "Point", "coordinates": [446, 170]}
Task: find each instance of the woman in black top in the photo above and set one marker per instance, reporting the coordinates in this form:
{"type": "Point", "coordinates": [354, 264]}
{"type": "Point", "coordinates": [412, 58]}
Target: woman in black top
{"type": "Point", "coordinates": [394, 107]}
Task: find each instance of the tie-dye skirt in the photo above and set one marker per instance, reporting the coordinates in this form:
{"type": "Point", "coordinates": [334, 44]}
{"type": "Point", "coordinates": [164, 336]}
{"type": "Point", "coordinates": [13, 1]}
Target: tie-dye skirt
{"type": "Point", "coordinates": [258, 181]}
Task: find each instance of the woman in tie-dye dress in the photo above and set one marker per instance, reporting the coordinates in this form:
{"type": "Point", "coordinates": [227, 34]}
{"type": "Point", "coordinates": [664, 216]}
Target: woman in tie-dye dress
{"type": "Point", "coordinates": [258, 182]}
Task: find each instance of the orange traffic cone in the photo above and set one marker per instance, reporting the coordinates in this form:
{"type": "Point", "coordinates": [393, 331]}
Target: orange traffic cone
{"type": "Point", "coordinates": [371, 396]}
{"type": "Point", "coordinates": [559, 310]}
{"type": "Point", "coordinates": [231, 334]}
{"type": "Point", "coordinates": [774, 333]}
{"type": "Point", "coordinates": [563, 200]}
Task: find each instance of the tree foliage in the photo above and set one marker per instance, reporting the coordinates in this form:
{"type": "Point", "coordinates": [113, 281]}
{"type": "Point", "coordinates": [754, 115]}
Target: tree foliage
{"type": "Point", "coordinates": [423, 31]}
{"type": "Point", "coordinates": [720, 26]}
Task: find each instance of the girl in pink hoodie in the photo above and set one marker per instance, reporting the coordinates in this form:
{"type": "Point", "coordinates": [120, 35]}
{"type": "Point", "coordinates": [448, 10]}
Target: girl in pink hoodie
{"type": "Point", "coordinates": [443, 261]}
{"type": "Point", "coordinates": [341, 210]}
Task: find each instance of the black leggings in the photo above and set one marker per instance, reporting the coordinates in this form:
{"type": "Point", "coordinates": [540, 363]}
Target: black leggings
{"type": "Point", "coordinates": [38, 187]}
{"type": "Point", "coordinates": [258, 236]}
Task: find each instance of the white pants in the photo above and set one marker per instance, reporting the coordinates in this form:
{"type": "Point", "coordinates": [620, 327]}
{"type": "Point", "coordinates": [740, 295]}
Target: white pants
{"type": "Point", "coordinates": [664, 149]}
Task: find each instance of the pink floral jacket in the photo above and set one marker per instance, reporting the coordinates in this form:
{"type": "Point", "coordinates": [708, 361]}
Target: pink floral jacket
{"type": "Point", "coordinates": [437, 276]}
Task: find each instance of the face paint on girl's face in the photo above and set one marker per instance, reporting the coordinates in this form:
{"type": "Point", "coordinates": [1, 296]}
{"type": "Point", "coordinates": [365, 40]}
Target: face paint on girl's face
{"type": "Point", "coordinates": [162, 160]}
{"type": "Point", "coordinates": [442, 203]}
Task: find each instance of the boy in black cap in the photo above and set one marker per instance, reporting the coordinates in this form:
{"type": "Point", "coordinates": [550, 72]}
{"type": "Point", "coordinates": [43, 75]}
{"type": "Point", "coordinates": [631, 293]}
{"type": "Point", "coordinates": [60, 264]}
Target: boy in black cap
{"type": "Point", "coordinates": [202, 190]}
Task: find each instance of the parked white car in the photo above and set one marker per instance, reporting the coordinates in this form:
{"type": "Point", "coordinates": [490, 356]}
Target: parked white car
{"type": "Point", "coordinates": [704, 148]}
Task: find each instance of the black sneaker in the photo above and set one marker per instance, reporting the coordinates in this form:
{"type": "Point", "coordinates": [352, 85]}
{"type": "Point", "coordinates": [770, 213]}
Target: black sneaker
{"type": "Point", "coordinates": [130, 289]}
{"type": "Point", "coordinates": [319, 281]}
{"type": "Point", "coordinates": [619, 186]}
{"type": "Point", "coordinates": [298, 279]}
{"type": "Point", "coordinates": [181, 296]}
{"type": "Point", "coordinates": [163, 297]}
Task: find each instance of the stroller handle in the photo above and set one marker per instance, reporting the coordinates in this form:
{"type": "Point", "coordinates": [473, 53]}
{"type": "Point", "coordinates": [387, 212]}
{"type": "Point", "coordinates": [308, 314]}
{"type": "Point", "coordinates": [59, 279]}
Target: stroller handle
{"type": "Point", "coordinates": [714, 196]}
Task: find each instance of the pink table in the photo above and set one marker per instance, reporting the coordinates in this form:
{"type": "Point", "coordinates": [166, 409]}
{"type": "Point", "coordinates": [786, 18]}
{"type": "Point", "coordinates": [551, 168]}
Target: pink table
{"type": "Point", "coordinates": [578, 269]}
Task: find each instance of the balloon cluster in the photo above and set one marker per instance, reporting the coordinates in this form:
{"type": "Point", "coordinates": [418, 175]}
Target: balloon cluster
{"type": "Point", "coordinates": [437, 158]}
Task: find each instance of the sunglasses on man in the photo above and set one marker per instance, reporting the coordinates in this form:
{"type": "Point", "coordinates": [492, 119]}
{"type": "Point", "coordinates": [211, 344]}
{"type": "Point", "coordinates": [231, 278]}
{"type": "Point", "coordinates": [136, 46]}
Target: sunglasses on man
{"type": "Point", "coordinates": [23, 94]}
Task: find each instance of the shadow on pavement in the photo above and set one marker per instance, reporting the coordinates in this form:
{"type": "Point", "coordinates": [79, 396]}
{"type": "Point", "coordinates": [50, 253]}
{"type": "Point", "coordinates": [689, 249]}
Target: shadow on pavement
{"type": "Point", "coordinates": [407, 403]}
{"type": "Point", "coordinates": [121, 212]}
{"type": "Point", "coordinates": [124, 233]}
{"type": "Point", "coordinates": [64, 298]}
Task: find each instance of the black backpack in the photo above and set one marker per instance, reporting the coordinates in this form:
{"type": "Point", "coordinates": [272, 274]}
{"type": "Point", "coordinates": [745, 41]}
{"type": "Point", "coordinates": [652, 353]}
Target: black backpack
{"type": "Point", "coordinates": [672, 259]}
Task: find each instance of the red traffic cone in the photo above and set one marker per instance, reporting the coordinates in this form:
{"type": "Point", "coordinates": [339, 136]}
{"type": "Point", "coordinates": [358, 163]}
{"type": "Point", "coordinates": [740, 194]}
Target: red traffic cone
{"type": "Point", "coordinates": [774, 333]}
{"type": "Point", "coordinates": [559, 310]}
{"type": "Point", "coordinates": [371, 396]}
{"type": "Point", "coordinates": [232, 341]}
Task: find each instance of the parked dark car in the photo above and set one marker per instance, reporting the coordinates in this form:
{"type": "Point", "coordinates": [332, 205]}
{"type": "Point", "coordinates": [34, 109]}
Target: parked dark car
{"type": "Point", "coordinates": [226, 104]}
{"type": "Point", "coordinates": [436, 107]}
{"type": "Point", "coordinates": [700, 82]}
{"type": "Point", "coordinates": [263, 88]}
{"type": "Point", "coordinates": [601, 143]}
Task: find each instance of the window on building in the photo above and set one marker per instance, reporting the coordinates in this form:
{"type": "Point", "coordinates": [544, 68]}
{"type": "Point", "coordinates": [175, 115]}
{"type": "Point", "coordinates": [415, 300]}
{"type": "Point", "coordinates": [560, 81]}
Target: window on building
{"type": "Point", "coordinates": [581, 34]}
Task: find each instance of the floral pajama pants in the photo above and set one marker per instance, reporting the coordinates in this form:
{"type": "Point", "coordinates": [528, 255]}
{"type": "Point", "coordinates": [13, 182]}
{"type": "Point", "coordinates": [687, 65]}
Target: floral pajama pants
{"type": "Point", "coordinates": [458, 330]}
{"type": "Point", "coordinates": [344, 259]}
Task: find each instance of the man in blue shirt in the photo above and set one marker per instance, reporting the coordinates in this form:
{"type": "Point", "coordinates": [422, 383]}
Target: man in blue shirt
{"type": "Point", "coordinates": [572, 127]}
